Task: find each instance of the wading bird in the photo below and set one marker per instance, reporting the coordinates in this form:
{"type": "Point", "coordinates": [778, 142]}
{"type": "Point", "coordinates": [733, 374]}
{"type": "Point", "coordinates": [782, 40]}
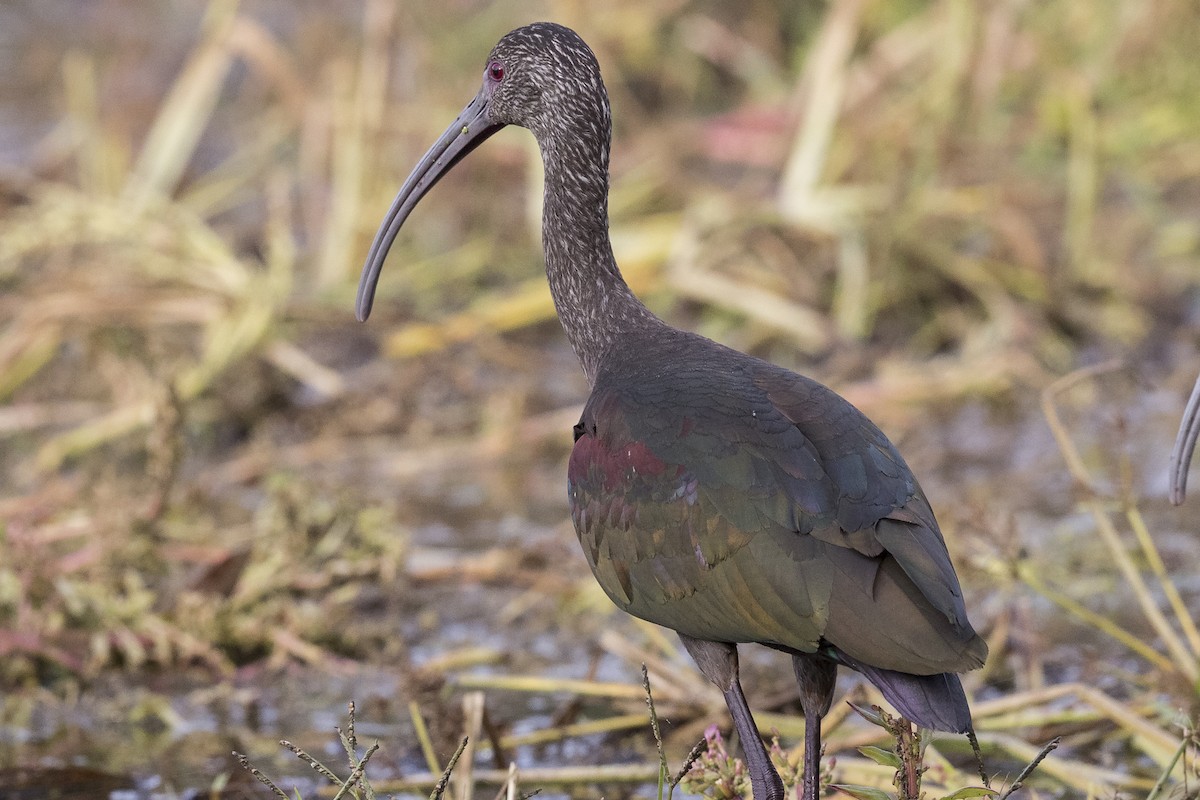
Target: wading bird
{"type": "Point", "coordinates": [714, 493]}
{"type": "Point", "coordinates": [1185, 445]}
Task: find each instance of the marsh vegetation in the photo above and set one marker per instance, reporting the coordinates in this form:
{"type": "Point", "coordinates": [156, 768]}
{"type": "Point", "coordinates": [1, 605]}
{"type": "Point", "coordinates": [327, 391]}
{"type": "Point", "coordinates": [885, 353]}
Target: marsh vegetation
{"type": "Point", "coordinates": [228, 508]}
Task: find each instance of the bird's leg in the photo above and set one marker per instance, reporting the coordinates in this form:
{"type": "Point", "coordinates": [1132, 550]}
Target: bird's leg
{"type": "Point", "coordinates": [816, 677]}
{"type": "Point", "coordinates": [764, 780]}
{"type": "Point", "coordinates": [719, 663]}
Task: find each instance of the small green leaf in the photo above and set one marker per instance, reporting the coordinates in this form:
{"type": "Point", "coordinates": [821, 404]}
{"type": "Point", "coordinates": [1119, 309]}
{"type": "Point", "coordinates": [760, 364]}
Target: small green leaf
{"type": "Point", "coordinates": [872, 714]}
{"type": "Point", "coordinates": [861, 792]}
{"type": "Point", "coordinates": [880, 756]}
{"type": "Point", "coordinates": [971, 791]}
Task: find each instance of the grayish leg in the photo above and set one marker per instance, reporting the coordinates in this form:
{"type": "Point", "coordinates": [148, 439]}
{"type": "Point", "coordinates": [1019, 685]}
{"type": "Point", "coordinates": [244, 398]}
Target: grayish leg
{"type": "Point", "coordinates": [816, 677]}
{"type": "Point", "coordinates": [719, 663]}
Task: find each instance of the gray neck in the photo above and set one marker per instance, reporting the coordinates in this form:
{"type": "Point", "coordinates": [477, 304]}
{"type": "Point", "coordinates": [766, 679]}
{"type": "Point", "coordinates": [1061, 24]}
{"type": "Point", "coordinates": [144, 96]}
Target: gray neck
{"type": "Point", "coordinates": [595, 305]}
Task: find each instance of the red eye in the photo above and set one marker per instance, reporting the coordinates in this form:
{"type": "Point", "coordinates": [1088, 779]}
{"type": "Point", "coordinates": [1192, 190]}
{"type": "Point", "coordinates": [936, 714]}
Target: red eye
{"type": "Point", "coordinates": [495, 71]}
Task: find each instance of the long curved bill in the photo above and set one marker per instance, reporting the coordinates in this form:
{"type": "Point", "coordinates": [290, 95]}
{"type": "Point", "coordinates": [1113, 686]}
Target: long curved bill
{"type": "Point", "coordinates": [466, 133]}
{"type": "Point", "coordinates": [1185, 445]}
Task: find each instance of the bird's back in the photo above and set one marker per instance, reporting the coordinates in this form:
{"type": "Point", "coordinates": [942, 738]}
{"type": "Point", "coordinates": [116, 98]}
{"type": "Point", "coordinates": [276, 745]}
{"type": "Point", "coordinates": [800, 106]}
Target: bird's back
{"type": "Point", "coordinates": [735, 501]}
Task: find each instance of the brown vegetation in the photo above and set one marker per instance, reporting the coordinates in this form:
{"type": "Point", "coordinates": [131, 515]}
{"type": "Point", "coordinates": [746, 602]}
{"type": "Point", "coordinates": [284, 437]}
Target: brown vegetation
{"type": "Point", "coordinates": [941, 208]}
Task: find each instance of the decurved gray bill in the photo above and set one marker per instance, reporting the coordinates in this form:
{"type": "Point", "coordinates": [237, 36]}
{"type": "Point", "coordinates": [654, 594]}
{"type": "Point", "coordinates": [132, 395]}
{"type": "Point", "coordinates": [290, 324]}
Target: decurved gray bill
{"type": "Point", "coordinates": [1185, 445]}
{"type": "Point", "coordinates": [467, 131]}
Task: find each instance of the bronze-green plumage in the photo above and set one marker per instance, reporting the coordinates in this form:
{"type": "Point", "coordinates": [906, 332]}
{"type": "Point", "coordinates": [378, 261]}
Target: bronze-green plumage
{"type": "Point", "coordinates": [714, 493]}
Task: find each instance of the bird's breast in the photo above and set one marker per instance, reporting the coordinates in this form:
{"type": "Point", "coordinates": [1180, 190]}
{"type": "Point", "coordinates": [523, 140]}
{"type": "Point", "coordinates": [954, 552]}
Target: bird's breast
{"type": "Point", "coordinates": [625, 489]}
{"type": "Point", "coordinates": [662, 552]}
{"type": "Point", "coordinates": [616, 469]}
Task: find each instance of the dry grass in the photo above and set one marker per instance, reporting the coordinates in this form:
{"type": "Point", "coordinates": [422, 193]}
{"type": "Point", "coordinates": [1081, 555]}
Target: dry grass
{"type": "Point", "coordinates": [935, 203]}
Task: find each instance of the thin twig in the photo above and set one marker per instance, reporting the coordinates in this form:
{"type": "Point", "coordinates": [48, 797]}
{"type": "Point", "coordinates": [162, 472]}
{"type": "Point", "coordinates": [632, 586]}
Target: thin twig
{"type": "Point", "coordinates": [908, 778]}
{"type": "Point", "coordinates": [263, 779]}
{"type": "Point", "coordinates": [658, 743]}
{"type": "Point", "coordinates": [357, 774]}
{"type": "Point", "coordinates": [696, 751]}
{"type": "Point", "coordinates": [347, 738]}
{"type": "Point", "coordinates": [1170, 767]}
{"type": "Point", "coordinates": [974, 740]}
{"type": "Point", "coordinates": [321, 769]}
{"type": "Point", "coordinates": [436, 794]}
{"type": "Point", "coordinates": [1025, 773]}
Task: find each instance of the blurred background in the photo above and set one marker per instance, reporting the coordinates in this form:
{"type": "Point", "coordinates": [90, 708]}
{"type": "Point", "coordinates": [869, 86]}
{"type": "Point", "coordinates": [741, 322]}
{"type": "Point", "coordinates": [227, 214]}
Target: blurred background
{"type": "Point", "coordinates": [228, 509]}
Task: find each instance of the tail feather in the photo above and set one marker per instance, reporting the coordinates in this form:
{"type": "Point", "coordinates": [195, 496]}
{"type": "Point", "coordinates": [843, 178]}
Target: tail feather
{"type": "Point", "coordinates": [931, 701]}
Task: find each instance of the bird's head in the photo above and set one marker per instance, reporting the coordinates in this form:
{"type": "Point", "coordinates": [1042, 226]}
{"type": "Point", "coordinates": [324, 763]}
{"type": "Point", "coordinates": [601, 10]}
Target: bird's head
{"type": "Point", "coordinates": [542, 77]}
{"type": "Point", "coordinates": [545, 78]}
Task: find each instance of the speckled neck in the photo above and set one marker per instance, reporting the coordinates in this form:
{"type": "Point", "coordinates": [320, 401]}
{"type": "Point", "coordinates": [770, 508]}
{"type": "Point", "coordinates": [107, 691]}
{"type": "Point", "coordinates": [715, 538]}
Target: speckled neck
{"type": "Point", "coordinates": [595, 305]}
